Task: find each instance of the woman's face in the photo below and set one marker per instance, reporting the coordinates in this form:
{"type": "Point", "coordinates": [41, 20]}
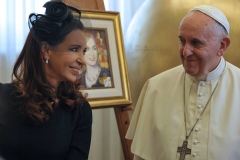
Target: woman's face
{"type": "Point", "coordinates": [91, 55]}
{"type": "Point", "coordinates": [66, 59]}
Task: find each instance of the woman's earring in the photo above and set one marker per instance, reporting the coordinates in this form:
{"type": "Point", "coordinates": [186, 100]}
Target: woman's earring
{"type": "Point", "coordinates": [47, 61]}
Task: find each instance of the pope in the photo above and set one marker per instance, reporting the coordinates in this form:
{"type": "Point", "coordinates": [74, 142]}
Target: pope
{"type": "Point", "coordinates": [192, 111]}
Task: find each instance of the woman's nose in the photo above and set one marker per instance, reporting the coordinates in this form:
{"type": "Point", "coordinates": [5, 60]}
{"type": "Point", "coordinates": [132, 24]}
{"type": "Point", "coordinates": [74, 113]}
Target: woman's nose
{"type": "Point", "coordinates": [80, 58]}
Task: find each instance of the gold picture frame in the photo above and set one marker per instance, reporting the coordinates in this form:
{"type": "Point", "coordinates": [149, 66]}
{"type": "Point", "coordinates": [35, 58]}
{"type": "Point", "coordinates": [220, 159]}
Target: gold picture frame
{"type": "Point", "coordinates": [109, 25]}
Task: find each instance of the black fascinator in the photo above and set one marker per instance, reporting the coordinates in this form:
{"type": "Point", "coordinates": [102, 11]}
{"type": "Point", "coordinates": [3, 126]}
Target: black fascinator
{"type": "Point", "coordinates": [47, 26]}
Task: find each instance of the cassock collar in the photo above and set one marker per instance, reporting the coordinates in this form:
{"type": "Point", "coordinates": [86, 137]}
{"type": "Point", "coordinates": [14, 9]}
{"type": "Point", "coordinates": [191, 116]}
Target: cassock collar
{"type": "Point", "coordinates": [212, 75]}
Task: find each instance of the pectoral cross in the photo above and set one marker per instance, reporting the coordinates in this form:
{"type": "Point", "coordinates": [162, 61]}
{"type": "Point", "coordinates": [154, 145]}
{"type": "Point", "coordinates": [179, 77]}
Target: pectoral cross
{"type": "Point", "coordinates": [183, 150]}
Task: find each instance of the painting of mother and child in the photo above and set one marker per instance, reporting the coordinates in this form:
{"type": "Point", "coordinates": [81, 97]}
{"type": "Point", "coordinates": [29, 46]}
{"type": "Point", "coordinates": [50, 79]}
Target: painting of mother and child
{"type": "Point", "coordinates": [97, 71]}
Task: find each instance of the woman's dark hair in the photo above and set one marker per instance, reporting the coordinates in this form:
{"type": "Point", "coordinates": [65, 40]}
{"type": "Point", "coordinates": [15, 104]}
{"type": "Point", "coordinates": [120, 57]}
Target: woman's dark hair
{"type": "Point", "coordinates": [35, 93]}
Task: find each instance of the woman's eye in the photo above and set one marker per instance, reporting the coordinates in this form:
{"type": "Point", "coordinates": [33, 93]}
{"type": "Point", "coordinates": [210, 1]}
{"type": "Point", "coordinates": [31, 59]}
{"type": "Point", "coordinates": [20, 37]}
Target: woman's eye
{"type": "Point", "coordinates": [84, 51]}
{"type": "Point", "coordinates": [94, 48]}
{"type": "Point", "coordinates": [74, 49]}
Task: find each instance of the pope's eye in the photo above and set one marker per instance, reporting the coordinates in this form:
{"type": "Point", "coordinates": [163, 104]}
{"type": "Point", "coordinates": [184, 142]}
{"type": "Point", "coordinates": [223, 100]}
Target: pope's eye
{"type": "Point", "coordinates": [182, 42]}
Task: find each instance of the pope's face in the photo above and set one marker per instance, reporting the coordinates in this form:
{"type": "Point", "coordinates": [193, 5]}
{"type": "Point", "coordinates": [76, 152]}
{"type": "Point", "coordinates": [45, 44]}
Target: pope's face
{"type": "Point", "coordinates": [199, 44]}
{"type": "Point", "coordinates": [91, 54]}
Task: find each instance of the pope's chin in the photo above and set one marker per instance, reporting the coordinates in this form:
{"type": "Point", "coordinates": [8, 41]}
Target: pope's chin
{"type": "Point", "coordinates": [190, 70]}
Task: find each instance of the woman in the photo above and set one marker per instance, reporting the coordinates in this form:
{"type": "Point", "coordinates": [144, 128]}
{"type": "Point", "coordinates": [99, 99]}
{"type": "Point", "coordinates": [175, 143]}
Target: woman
{"type": "Point", "coordinates": [42, 113]}
{"type": "Point", "coordinates": [95, 75]}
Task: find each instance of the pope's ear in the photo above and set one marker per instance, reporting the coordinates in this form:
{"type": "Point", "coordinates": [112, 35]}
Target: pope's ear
{"type": "Point", "coordinates": [224, 45]}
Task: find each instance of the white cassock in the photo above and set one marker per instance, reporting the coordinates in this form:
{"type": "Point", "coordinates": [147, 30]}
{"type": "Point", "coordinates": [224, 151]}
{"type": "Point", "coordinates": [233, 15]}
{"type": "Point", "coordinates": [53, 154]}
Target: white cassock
{"type": "Point", "coordinates": [158, 127]}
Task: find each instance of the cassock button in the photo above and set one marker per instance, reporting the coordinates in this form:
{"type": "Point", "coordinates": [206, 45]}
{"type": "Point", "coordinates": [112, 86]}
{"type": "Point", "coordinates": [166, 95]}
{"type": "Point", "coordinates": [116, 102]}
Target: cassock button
{"type": "Point", "coordinates": [195, 142]}
{"type": "Point", "coordinates": [194, 154]}
{"type": "Point", "coordinates": [199, 106]}
{"type": "Point", "coordinates": [197, 129]}
{"type": "Point", "coordinates": [200, 94]}
{"type": "Point", "coordinates": [202, 84]}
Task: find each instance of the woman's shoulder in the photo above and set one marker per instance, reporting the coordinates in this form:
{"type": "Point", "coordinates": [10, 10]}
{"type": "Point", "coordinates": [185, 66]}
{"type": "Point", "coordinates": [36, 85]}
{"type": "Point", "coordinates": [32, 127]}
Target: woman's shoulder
{"type": "Point", "coordinates": [6, 85]}
{"type": "Point", "coordinates": [84, 108]}
{"type": "Point", "coordinates": [6, 98]}
{"type": "Point", "coordinates": [83, 113]}
{"type": "Point", "coordinates": [6, 88]}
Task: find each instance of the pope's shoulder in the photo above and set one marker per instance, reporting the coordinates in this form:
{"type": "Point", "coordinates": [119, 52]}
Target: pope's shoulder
{"type": "Point", "coordinates": [233, 68]}
{"type": "Point", "coordinates": [172, 73]}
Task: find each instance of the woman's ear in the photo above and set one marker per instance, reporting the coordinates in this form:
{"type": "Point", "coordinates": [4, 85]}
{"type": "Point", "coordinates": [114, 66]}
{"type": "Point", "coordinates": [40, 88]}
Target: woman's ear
{"type": "Point", "coordinates": [45, 49]}
{"type": "Point", "coordinates": [224, 45]}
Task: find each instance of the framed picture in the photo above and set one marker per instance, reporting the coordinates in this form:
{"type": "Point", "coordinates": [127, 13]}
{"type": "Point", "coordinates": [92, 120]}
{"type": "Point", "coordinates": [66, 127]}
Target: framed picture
{"type": "Point", "coordinates": [105, 76]}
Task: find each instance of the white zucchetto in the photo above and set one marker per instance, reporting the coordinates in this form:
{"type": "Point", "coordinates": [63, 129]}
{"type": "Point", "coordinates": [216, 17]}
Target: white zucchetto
{"type": "Point", "coordinates": [214, 13]}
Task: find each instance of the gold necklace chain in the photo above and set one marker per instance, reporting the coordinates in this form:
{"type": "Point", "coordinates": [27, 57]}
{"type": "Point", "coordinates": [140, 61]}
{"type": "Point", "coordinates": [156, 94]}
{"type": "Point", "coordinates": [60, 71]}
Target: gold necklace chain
{"type": "Point", "coordinates": [187, 135]}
